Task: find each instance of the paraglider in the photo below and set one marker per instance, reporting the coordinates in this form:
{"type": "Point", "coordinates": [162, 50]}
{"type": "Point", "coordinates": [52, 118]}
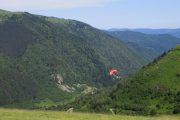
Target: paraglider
{"type": "Point", "coordinates": [114, 73]}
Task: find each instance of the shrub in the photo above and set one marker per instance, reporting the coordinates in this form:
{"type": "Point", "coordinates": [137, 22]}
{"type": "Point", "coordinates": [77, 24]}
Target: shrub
{"type": "Point", "coordinates": [178, 74]}
{"type": "Point", "coordinates": [153, 112]}
{"type": "Point", "coordinates": [176, 109]}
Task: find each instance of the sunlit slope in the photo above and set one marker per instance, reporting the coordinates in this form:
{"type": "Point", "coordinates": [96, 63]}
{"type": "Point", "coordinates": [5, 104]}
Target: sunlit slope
{"type": "Point", "coordinates": [156, 87]}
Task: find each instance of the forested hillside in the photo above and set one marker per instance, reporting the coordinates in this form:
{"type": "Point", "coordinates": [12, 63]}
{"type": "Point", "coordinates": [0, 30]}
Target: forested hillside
{"type": "Point", "coordinates": [152, 90]}
{"type": "Point", "coordinates": [45, 58]}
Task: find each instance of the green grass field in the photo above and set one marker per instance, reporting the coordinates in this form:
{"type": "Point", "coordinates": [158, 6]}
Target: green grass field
{"type": "Point", "coordinates": [14, 114]}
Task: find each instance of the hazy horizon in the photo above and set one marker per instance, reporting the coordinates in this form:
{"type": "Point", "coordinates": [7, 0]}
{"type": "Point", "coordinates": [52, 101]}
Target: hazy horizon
{"type": "Point", "coordinates": [105, 14]}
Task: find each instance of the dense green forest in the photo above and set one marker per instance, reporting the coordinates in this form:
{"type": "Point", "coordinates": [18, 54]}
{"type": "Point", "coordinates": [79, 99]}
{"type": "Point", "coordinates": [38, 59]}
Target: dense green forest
{"type": "Point", "coordinates": [152, 90]}
{"type": "Point", "coordinates": [46, 59]}
{"type": "Point", "coordinates": [52, 63]}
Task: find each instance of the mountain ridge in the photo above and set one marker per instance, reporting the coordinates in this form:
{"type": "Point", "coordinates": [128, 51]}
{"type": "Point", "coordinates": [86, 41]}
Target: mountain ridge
{"type": "Point", "coordinates": [149, 46]}
{"type": "Point", "coordinates": [175, 32]}
{"type": "Point", "coordinates": [43, 56]}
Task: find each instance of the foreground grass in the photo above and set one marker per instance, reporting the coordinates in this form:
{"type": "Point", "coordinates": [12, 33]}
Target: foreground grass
{"type": "Point", "coordinates": [14, 114]}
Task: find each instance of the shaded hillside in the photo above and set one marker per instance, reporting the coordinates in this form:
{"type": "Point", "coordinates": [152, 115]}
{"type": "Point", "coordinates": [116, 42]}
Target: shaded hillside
{"type": "Point", "coordinates": [153, 89]}
{"type": "Point", "coordinates": [149, 46]}
{"type": "Point", "coordinates": [47, 58]}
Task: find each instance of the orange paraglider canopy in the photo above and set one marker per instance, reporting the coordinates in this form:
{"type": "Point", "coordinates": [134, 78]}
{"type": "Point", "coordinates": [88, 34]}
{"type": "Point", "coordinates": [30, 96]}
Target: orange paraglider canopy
{"type": "Point", "coordinates": [112, 71]}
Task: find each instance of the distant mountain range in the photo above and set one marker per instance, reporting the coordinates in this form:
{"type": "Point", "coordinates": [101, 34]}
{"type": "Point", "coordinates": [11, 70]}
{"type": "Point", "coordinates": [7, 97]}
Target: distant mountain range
{"type": "Point", "coordinates": [174, 32]}
{"type": "Point", "coordinates": [148, 45]}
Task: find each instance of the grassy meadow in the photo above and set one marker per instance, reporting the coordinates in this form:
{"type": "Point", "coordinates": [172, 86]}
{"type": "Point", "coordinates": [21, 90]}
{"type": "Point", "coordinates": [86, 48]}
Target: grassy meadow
{"type": "Point", "coordinates": [15, 114]}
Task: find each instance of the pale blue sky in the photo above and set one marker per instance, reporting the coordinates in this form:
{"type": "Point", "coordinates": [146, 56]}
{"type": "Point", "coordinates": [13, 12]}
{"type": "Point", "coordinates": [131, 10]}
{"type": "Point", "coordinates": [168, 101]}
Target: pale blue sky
{"type": "Point", "coordinates": [105, 14]}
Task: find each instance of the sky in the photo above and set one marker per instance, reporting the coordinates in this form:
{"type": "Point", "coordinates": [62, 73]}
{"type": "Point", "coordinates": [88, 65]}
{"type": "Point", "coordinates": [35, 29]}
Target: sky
{"type": "Point", "coordinates": [105, 14]}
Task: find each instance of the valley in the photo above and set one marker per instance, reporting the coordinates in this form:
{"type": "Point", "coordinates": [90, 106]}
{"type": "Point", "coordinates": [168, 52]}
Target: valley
{"type": "Point", "coordinates": [45, 58]}
{"type": "Point", "coordinates": [49, 65]}
{"type": "Point", "coordinates": [152, 90]}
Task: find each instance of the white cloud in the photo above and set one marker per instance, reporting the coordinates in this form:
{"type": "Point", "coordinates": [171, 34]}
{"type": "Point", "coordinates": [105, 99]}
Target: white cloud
{"type": "Point", "coordinates": [50, 4]}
